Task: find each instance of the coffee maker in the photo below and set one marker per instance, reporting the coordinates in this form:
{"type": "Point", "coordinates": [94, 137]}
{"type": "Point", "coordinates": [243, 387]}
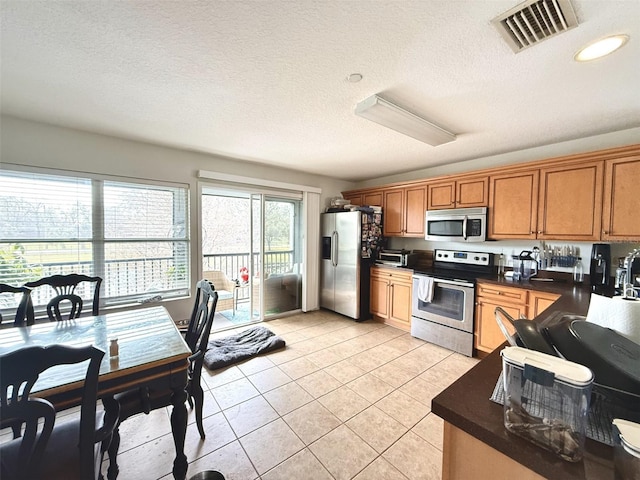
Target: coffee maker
{"type": "Point", "coordinates": [600, 266]}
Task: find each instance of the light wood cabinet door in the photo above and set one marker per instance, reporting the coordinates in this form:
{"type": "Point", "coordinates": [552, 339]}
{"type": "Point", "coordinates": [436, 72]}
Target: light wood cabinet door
{"type": "Point", "coordinates": [487, 333]}
{"type": "Point", "coordinates": [403, 212]}
{"type": "Point", "coordinates": [441, 195]}
{"type": "Point", "coordinates": [400, 311]}
{"type": "Point", "coordinates": [355, 199]}
{"type": "Point", "coordinates": [372, 198]}
{"type": "Point", "coordinates": [472, 192]}
{"type": "Point", "coordinates": [570, 202]}
{"type": "Point", "coordinates": [393, 213]}
{"type": "Point", "coordinates": [379, 295]}
{"type": "Point", "coordinates": [539, 302]}
{"type": "Point", "coordinates": [620, 213]}
{"type": "Point", "coordinates": [513, 204]}
{"type": "Point", "coordinates": [391, 296]}
{"type": "Point", "coordinates": [414, 211]}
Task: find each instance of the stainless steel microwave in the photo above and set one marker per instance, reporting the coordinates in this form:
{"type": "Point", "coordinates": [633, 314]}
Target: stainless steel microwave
{"type": "Point", "coordinates": [456, 225]}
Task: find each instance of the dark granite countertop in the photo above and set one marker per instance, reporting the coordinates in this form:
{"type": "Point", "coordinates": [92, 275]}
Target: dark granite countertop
{"type": "Point", "coordinates": [466, 405]}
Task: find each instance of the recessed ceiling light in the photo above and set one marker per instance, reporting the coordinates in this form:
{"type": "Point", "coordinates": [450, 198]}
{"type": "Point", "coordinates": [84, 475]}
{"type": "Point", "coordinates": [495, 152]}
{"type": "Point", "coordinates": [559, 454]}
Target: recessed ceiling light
{"type": "Point", "coordinates": [354, 77]}
{"type": "Point", "coordinates": [600, 48]}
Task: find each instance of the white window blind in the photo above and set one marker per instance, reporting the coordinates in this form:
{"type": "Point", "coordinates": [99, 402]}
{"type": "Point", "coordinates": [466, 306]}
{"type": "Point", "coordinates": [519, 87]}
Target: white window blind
{"type": "Point", "coordinates": [133, 235]}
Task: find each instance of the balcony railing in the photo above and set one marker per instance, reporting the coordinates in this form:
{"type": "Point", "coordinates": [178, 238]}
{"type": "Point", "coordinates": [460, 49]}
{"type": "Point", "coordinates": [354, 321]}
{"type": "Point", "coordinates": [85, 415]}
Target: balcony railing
{"type": "Point", "coordinates": [231, 263]}
{"type": "Point", "coordinates": [126, 278]}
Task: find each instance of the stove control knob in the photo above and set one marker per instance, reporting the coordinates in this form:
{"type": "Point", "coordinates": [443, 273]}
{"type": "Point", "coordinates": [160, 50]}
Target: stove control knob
{"type": "Point", "coordinates": [484, 259]}
{"type": "Point", "coordinates": [476, 258]}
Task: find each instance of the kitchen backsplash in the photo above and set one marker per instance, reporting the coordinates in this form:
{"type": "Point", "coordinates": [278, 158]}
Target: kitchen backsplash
{"type": "Point", "coordinates": [514, 247]}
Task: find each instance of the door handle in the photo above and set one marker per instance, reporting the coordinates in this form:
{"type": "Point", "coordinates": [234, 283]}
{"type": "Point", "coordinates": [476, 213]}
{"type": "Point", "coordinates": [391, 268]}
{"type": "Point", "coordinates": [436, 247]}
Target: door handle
{"type": "Point", "coordinates": [464, 227]}
{"type": "Point", "coordinates": [334, 249]}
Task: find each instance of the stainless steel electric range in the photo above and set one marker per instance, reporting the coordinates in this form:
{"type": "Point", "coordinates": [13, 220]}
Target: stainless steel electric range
{"type": "Point", "coordinates": [443, 299]}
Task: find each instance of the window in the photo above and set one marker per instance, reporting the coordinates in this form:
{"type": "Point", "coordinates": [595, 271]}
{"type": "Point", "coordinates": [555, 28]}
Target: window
{"type": "Point", "coordinates": [133, 235]}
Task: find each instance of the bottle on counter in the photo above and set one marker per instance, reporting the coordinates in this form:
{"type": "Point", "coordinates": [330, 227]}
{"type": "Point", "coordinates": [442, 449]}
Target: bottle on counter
{"type": "Point", "coordinates": [578, 271]}
{"type": "Point", "coordinates": [501, 265]}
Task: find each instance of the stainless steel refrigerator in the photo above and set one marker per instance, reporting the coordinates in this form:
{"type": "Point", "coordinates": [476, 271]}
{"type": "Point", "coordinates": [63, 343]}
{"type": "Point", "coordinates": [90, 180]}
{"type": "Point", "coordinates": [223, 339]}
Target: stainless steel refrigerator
{"type": "Point", "coordinates": [350, 245]}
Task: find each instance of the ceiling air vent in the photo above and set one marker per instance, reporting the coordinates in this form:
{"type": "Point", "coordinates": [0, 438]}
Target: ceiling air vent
{"type": "Point", "coordinates": [534, 21]}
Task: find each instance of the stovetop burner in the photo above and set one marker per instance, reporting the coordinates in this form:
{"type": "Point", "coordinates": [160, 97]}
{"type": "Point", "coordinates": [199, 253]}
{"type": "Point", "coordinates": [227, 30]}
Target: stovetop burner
{"type": "Point", "coordinates": [461, 265]}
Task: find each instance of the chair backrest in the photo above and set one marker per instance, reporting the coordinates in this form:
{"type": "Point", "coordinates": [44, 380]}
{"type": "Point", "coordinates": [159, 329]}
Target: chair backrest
{"type": "Point", "coordinates": [197, 336]}
{"type": "Point", "coordinates": [201, 321]}
{"type": "Point", "coordinates": [65, 288]}
{"type": "Point", "coordinates": [25, 307]}
{"type": "Point", "coordinates": [219, 279]}
{"type": "Point", "coordinates": [19, 371]}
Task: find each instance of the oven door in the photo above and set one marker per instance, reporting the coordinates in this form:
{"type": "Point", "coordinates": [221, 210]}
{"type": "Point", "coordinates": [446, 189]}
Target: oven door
{"type": "Point", "coordinates": [451, 305]}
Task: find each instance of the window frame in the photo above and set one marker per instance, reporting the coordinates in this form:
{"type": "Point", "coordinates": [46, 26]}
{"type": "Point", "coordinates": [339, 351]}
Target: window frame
{"type": "Point", "coordinates": [98, 239]}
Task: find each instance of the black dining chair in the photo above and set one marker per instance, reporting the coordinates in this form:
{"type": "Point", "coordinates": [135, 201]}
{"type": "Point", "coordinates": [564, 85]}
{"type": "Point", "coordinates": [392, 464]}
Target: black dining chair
{"type": "Point", "coordinates": [24, 310]}
{"type": "Point", "coordinates": [143, 400]}
{"type": "Point", "coordinates": [69, 450]}
{"type": "Point", "coordinates": [65, 288]}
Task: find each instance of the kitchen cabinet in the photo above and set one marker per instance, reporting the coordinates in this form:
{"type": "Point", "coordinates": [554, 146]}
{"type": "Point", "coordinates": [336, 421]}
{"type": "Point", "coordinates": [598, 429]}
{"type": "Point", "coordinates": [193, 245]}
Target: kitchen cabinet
{"type": "Point", "coordinates": [513, 205]}
{"type": "Point", "coordinates": [539, 302]}
{"type": "Point", "coordinates": [487, 333]}
{"type": "Point", "coordinates": [458, 447]}
{"type": "Point", "coordinates": [570, 202]}
{"type": "Point", "coordinates": [391, 296]}
{"type": "Point", "coordinates": [459, 193]}
{"type": "Point", "coordinates": [403, 211]}
{"type": "Point", "coordinates": [365, 198]}
{"type": "Point", "coordinates": [620, 212]}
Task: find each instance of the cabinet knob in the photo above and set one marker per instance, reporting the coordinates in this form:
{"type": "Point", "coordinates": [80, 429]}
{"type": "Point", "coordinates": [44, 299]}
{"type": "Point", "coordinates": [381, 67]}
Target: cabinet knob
{"type": "Point", "coordinates": [533, 233]}
{"type": "Point", "coordinates": [605, 232]}
{"type": "Point", "coordinates": [540, 232]}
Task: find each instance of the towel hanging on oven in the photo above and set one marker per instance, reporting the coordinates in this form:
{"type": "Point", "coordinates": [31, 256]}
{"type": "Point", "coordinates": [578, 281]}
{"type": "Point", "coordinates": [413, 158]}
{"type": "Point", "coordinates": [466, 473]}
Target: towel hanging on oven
{"type": "Point", "coordinates": [425, 289]}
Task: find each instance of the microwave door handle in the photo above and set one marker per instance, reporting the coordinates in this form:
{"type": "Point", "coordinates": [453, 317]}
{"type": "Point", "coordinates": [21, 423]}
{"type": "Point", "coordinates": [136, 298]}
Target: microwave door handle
{"type": "Point", "coordinates": [464, 227]}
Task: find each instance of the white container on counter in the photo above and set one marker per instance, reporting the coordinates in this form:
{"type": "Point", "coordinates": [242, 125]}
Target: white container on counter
{"type": "Point", "coordinates": [546, 400]}
{"type": "Point", "coordinates": [627, 450]}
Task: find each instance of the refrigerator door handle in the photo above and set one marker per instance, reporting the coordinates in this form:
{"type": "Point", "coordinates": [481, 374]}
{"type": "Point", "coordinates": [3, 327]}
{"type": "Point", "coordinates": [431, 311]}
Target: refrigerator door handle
{"type": "Point", "coordinates": [334, 249]}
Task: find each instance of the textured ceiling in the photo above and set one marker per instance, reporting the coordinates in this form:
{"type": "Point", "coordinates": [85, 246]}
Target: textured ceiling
{"type": "Point", "coordinates": [265, 81]}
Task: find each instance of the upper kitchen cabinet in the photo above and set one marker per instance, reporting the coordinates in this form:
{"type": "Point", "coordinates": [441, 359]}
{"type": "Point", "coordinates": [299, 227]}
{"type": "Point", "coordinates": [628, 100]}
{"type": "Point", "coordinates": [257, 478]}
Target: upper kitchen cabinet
{"type": "Point", "coordinates": [570, 202]}
{"type": "Point", "coordinates": [459, 193]}
{"type": "Point", "coordinates": [364, 198]}
{"type": "Point", "coordinates": [403, 211]}
{"type": "Point", "coordinates": [513, 205]}
{"type": "Point", "coordinates": [620, 212]}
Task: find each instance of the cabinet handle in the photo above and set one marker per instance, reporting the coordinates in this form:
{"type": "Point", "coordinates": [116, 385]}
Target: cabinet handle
{"type": "Point", "coordinates": [533, 233]}
{"type": "Point", "coordinates": [540, 232]}
{"type": "Point", "coordinates": [605, 232]}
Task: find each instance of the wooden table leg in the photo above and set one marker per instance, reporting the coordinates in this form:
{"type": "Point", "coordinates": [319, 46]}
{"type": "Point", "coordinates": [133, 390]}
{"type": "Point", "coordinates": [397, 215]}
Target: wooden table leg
{"type": "Point", "coordinates": [179, 431]}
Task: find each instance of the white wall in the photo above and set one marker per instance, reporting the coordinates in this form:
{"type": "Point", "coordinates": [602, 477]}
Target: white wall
{"type": "Point", "coordinates": [41, 145]}
{"type": "Point", "coordinates": [508, 247]}
{"type": "Point", "coordinates": [581, 145]}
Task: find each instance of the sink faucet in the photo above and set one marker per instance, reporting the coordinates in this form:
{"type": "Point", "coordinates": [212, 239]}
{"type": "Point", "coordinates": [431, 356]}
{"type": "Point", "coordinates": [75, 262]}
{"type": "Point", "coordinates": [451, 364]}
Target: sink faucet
{"type": "Point", "coordinates": [628, 290]}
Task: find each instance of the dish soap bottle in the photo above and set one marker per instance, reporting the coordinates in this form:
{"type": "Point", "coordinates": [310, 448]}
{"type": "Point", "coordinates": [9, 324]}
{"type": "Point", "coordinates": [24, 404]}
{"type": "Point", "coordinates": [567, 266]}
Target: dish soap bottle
{"type": "Point", "coordinates": [578, 271]}
{"type": "Point", "coordinates": [501, 265]}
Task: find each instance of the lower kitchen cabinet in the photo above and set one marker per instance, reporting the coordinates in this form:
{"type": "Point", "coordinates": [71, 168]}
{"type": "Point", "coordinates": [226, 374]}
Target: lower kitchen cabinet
{"type": "Point", "coordinates": [487, 333]}
{"type": "Point", "coordinates": [488, 463]}
{"type": "Point", "coordinates": [391, 296]}
{"type": "Point", "coordinates": [539, 302]}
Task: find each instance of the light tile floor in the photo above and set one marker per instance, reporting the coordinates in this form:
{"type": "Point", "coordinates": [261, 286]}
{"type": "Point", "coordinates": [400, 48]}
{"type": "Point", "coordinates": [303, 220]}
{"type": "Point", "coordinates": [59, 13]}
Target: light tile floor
{"type": "Point", "coordinates": [343, 400]}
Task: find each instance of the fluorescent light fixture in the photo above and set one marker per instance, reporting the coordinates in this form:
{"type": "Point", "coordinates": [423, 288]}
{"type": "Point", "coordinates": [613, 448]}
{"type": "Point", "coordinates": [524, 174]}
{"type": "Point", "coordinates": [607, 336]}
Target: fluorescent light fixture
{"type": "Point", "coordinates": [600, 48]}
{"type": "Point", "coordinates": [379, 110]}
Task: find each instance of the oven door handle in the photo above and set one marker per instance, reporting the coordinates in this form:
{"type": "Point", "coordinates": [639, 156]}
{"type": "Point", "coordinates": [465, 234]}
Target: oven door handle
{"type": "Point", "coordinates": [453, 282]}
{"type": "Point", "coordinates": [464, 227]}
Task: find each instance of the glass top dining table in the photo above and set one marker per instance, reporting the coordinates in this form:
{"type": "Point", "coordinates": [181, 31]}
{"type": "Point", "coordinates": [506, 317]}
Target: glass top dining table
{"type": "Point", "coordinates": [151, 350]}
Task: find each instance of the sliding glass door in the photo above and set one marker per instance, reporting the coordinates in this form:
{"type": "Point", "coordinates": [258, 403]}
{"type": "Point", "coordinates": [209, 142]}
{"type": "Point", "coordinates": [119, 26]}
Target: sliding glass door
{"type": "Point", "coordinates": [254, 240]}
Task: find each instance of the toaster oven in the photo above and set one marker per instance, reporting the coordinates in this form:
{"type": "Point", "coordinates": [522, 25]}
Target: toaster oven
{"type": "Point", "coordinates": [398, 258]}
